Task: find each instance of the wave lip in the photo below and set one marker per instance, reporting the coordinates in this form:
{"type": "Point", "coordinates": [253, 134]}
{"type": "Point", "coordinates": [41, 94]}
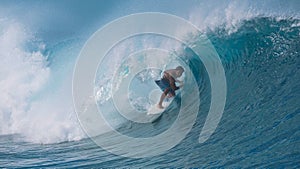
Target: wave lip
{"type": "Point", "coordinates": [231, 14]}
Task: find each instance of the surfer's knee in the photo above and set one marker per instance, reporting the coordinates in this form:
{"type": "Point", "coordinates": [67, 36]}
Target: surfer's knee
{"type": "Point", "coordinates": [166, 91]}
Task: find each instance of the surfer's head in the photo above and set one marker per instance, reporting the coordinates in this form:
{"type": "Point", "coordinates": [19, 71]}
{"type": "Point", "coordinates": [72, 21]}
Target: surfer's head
{"type": "Point", "coordinates": [179, 70]}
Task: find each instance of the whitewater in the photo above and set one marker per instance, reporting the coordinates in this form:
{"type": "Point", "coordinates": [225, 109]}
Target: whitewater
{"type": "Point", "coordinates": [258, 46]}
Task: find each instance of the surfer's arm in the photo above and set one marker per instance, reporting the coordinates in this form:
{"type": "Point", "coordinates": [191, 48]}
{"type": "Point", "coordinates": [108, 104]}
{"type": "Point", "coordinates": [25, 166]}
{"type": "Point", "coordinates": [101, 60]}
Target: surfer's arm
{"type": "Point", "coordinates": [172, 83]}
{"type": "Point", "coordinates": [179, 81]}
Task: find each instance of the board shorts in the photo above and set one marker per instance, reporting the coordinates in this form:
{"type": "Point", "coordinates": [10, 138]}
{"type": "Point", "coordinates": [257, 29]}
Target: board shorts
{"type": "Point", "coordinates": [165, 86]}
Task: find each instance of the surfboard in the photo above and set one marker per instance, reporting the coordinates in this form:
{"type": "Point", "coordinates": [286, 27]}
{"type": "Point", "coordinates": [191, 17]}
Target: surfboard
{"type": "Point", "coordinates": [154, 112]}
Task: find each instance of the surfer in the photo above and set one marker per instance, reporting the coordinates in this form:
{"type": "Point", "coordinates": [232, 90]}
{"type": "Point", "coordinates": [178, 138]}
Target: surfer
{"type": "Point", "coordinates": [167, 83]}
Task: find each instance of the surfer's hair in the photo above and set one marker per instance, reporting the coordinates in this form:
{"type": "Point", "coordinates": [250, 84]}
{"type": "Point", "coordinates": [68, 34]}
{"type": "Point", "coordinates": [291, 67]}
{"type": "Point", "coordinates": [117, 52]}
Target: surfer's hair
{"type": "Point", "coordinates": [180, 68]}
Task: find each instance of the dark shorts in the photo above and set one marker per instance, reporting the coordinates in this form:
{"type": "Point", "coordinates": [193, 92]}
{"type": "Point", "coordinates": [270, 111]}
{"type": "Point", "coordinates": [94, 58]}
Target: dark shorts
{"type": "Point", "coordinates": [165, 86]}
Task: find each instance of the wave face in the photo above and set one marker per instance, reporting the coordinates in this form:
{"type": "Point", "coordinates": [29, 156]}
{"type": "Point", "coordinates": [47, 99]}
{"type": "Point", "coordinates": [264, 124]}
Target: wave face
{"type": "Point", "coordinates": [261, 61]}
{"type": "Point", "coordinates": [258, 47]}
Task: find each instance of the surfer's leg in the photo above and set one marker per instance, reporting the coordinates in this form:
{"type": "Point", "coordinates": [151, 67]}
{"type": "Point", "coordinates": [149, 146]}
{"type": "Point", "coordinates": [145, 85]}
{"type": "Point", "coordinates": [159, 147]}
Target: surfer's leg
{"type": "Point", "coordinates": [171, 93]}
{"type": "Point", "coordinates": [162, 97]}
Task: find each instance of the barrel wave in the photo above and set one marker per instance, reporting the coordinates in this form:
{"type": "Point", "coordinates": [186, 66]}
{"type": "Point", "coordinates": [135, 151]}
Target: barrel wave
{"type": "Point", "coordinates": [260, 54]}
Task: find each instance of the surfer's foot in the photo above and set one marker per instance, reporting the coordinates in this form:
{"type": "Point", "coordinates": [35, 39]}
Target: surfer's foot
{"type": "Point", "coordinates": [170, 95]}
{"type": "Point", "coordinates": [160, 106]}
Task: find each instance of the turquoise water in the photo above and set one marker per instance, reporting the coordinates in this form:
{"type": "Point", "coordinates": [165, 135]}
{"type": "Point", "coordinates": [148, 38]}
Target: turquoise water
{"type": "Point", "coordinates": [258, 44]}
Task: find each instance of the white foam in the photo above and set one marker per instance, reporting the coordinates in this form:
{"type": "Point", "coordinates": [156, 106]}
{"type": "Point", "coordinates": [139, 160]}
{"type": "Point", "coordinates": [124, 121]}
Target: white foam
{"type": "Point", "coordinates": [23, 74]}
{"type": "Point", "coordinates": [209, 15]}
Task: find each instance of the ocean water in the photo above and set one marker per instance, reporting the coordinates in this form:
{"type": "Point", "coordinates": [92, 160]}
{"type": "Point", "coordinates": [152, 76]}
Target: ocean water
{"type": "Point", "coordinates": [259, 47]}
